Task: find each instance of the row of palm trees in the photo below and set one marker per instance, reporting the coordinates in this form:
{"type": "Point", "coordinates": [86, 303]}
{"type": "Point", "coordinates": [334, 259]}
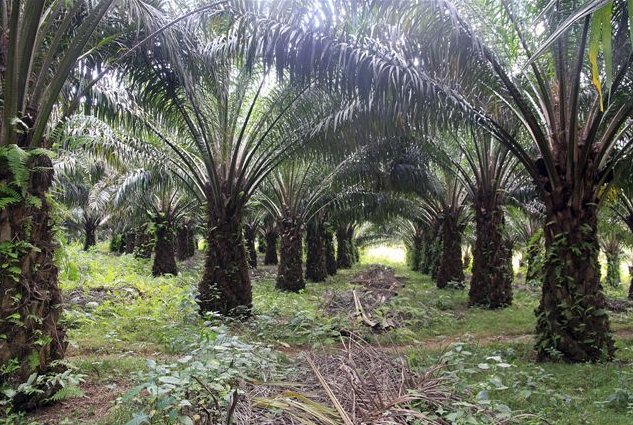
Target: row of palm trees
{"type": "Point", "coordinates": [222, 95]}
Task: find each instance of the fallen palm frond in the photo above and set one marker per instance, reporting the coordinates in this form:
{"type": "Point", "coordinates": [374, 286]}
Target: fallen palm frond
{"type": "Point", "coordinates": [358, 384]}
{"type": "Point", "coordinates": [366, 304]}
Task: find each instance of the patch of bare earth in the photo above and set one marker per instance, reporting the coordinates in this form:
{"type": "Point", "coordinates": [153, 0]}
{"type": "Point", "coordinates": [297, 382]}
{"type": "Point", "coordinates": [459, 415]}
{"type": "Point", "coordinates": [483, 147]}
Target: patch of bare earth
{"type": "Point", "coordinates": [97, 400]}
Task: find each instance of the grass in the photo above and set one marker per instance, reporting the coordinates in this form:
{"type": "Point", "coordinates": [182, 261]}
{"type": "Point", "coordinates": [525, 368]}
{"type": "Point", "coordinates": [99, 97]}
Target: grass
{"type": "Point", "coordinates": [155, 319]}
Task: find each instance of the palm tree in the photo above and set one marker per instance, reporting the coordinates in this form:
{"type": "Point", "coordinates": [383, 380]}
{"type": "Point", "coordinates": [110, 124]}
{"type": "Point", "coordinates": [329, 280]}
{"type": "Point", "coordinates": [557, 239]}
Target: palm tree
{"type": "Point", "coordinates": [86, 187]}
{"type": "Point", "coordinates": [446, 210]}
{"type": "Point", "coordinates": [488, 172]}
{"type": "Point", "coordinates": [271, 236]}
{"type": "Point", "coordinates": [186, 239]}
{"type": "Point", "coordinates": [316, 256]}
{"type": "Point", "coordinates": [344, 246]}
{"type": "Point", "coordinates": [294, 194]}
{"type": "Point", "coordinates": [569, 136]}
{"type": "Point", "coordinates": [42, 44]}
{"type": "Point", "coordinates": [166, 204]}
{"type": "Point", "coordinates": [222, 129]}
{"type": "Point", "coordinates": [251, 223]}
{"type": "Point", "coordinates": [525, 226]}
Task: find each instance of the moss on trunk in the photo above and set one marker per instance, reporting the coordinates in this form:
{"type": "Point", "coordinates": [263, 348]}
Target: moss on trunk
{"type": "Point", "coordinates": [572, 321]}
{"type": "Point", "coordinates": [613, 278]}
{"type": "Point", "coordinates": [534, 260]}
{"type": "Point", "coordinates": [431, 250]}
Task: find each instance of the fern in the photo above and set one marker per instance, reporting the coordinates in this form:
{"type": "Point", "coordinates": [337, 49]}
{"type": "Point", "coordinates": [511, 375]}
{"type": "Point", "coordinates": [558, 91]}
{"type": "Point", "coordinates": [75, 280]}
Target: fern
{"type": "Point", "coordinates": [8, 196]}
{"type": "Point", "coordinates": [16, 159]}
{"type": "Point", "coordinates": [66, 393]}
{"type": "Point", "coordinates": [34, 201]}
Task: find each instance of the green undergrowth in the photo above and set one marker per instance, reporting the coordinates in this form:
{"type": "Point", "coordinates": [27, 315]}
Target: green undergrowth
{"type": "Point", "coordinates": [143, 337]}
{"type": "Point", "coordinates": [114, 305]}
{"type": "Point", "coordinates": [560, 393]}
{"type": "Point", "coordinates": [297, 319]}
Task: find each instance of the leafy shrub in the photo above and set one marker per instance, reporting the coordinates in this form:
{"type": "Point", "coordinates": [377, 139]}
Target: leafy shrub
{"type": "Point", "coordinates": [200, 383]}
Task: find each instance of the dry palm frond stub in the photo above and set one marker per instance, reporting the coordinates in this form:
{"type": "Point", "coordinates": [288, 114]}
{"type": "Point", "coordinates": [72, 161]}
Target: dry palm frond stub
{"type": "Point", "coordinates": [356, 385]}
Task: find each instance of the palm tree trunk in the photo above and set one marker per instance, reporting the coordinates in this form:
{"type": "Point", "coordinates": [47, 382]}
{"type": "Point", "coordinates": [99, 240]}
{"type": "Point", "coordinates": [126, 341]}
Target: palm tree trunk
{"type": "Point", "coordinates": [261, 244]}
{"type": "Point", "coordinates": [451, 268]}
{"type": "Point", "coordinates": [91, 235]}
{"type": "Point", "coordinates": [182, 243]}
{"type": "Point", "coordinates": [249, 236]}
{"type": "Point", "coordinates": [572, 323]}
{"type": "Point", "coordinates": [191, 241]}
{"type": "Point", "coordinates": [430, 240]}
{"type": "Point", "coordinates": [30, 300]}
{"type": "Point", "coordinates": [271, 248]}
{"type": "Point", "coordinates": [491, 284]}
{"type": "Point", "coordinates": [185, 242]}
{"type": "Point", "coordinates": [129, 239]}
{"type": "Point", "coordinates": [225, 287]}
{"type": "Point", "coordinates": [631, 283]}
{"type": "Point", "coordinates": [613, 268]}
{"type": "Point", "coordinates": [328, 248]}
{"type": "Point", "coordinates": [316, 268]}
{"type": "Point", "coordinates": [290, 270]}
{"type": "Point", "coordinates": [533, 272]}
{"type": "Point", "coordinates": [344, 254]}
{"type": "Point", "coordinates": [416, 252]}
{"type": "Point", "coordinates": [143, 244]}
{"type": "Point", "coordinates": [437, 247]}
{"type": "Point", "coordinates": [352, 244]}
{"type": "Point", "coordinates": [164, 255]}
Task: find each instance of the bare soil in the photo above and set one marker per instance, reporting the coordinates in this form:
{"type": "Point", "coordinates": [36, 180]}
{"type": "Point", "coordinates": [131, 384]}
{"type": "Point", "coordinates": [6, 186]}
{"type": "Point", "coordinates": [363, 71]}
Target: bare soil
{"type": "Point", "coordinates": [97, 400]}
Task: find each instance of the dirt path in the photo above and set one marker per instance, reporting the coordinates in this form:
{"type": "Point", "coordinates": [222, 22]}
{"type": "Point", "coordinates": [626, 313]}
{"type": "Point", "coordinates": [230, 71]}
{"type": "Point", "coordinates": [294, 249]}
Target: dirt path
{"type": "Point", "coordinates": [97, 400]}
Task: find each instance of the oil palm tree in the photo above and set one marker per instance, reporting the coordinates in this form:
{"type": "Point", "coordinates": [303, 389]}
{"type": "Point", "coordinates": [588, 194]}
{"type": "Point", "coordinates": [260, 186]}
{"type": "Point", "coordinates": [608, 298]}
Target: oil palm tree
{"type": "Point", "coordinates": [525, 227]}
{"type": "Point", "coordinates": [489, 173]}
{"type": "Point", "coordinates": [271, 236]}
{"type": "Point", "coordinates": [294, 194]}
{"type": "Point", "coordinates": [43, 44]}
{"type": "Point", "coordinates": [222, 128]}
{"type": "Point", "coordinates": [569, 137]}
{"type": "Point", "coordinates": [446, 213]}
{"type": "Point", "coordinates": [86, 186]}
{"type": "Point", "coordinates": [165, 203]}
{"type": "Point", "coordinates": [251, 223]}
{"type": "Point", "coordinates": [316, 256]}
